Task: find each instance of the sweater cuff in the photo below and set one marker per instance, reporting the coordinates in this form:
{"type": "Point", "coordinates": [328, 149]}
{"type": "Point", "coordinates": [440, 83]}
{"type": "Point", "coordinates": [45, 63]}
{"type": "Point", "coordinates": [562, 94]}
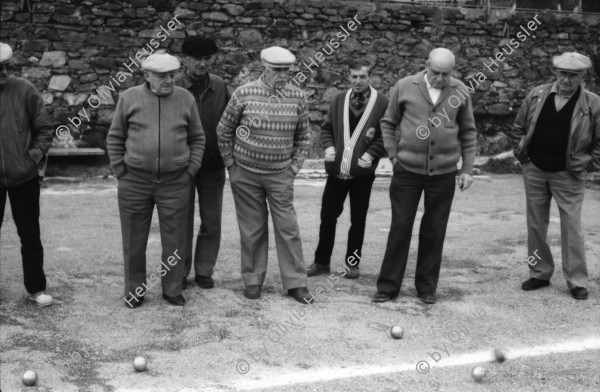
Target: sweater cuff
{"type": "Point", "coordinates": [330, 151]}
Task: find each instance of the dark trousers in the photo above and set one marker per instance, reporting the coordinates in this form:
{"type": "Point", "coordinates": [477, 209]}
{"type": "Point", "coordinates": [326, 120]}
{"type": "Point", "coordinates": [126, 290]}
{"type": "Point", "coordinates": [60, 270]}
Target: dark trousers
{"type": "Point", "coordinates": [137, 198]}
{"type": "Point", "coordinates": [332, 206]}
{"type": "Point", "coordinates": [25, 207]}
{"type": "Point", "coordinates": [405, 193]}
{"type": "Point", "coordinates": [210, 202]}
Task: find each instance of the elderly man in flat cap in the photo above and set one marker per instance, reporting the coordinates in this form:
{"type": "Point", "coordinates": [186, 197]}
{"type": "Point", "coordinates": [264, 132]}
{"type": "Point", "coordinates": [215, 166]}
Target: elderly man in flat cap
{"type": "Point", "coordinates": [264, 139]}
{"type": "Point", "coordinates": [25, 137]}
{"type": "Point", "coordinates": [556, 136]}
{"type": "Point", "coordinates": [155, 145]}
{"type": "Point", "coordinates": [428, 127]}
{"type": "Point", "coordinates": [211, 95]}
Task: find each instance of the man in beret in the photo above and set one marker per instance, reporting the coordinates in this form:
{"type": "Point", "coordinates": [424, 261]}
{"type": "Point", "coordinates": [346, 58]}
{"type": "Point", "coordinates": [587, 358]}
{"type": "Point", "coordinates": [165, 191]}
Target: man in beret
{"type": "Point", "coordinates": [25, 137]}
{"type": "Point", "coordinates": [427, 128]}
{"type": "Point", "coordinates": [155, 145]}
{"type": "Point", "coordinates": [556, 137]}
{"type": "Point", "coordinates": [211, 95]}
{"type": "Point", "coordinates": [264, 139]}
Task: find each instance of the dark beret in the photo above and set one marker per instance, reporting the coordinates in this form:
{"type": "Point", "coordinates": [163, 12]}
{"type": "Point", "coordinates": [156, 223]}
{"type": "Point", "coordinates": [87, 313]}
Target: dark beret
{"type": "Point", "coordinates": [199, 46]}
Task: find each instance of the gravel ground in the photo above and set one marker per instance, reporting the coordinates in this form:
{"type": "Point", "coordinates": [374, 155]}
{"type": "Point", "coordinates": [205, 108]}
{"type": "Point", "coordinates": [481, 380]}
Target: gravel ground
{"type": "Point", "coordinates": [88, 338]}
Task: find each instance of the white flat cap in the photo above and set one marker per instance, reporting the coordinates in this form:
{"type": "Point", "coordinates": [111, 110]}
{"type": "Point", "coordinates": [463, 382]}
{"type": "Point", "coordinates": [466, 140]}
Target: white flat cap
{"type": "Point", "coordinates": [572, 61]}
{"type": "Point", "coordinates": [160, 63]}
{"type": "Point", "coordinates": [6, 53]}
{"type": "Point", "coordinates": [277, 57]}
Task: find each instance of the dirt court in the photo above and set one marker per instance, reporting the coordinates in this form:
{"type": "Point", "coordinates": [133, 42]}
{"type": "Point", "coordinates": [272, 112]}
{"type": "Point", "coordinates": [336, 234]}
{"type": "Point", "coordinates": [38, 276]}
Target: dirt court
{"type": "Point", "coordinates": [221, 341]}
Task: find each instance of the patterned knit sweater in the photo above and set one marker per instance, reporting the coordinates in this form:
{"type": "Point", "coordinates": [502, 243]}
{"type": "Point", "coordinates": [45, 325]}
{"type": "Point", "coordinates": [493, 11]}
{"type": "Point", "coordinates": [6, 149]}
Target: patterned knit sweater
{"type": "Point", "coordinates": [265, 130]}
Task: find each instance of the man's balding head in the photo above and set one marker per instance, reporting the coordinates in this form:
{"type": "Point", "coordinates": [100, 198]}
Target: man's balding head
{"type": "Point", "coordinates": [440, 64]}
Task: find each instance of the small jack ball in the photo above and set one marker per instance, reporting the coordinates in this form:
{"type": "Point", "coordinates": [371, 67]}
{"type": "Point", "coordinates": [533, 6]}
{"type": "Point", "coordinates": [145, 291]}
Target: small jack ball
{"type": "Point", "coordinates": [29, 378]}
{"type": "Point", "coordinates": [139, 364]}
{"type": "Point", "coordinates": [478, 373]}
{"type": "Point", "coordinates": [397, 332]}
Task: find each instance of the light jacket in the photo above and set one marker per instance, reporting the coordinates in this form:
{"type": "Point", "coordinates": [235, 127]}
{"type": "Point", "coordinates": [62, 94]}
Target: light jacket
{"type": "Point", "coordinates": [429, 139]}
{"type": "Point", "coordinates": [25, 132]}
{"type": "Point", "coordinates": [369, 141]}
{"type": "Point", "coordinates": [155, 137]}
{"type": "Point", "coordinates": [583, 149]}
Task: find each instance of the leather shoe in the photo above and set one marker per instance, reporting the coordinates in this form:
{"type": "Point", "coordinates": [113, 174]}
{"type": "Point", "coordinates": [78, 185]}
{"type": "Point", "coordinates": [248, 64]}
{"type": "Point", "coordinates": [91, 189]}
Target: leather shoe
{"type": "Point", "coordinates": [177, 301]}
{"type": "Point", "coordinates": [134, 302]}
{"type": "Point", "coordinates": [352, 273]}
{"type": "Point", "coordinates": [252, 291]}
{"type": "Point", "coordinates": [380, 296]}
{"type": "Point", "coordinates": [579, 293]}
{"type": "Point", "coordinates": [317, 269]}
{"type": "Point", "coordinates": [534, 284]}
{"type": "Point", "coordinates": [302, 295]}
{"type": "Point", "coordinates": [206, 282]}
{"type": "Point", "coordinates": [427, 298]}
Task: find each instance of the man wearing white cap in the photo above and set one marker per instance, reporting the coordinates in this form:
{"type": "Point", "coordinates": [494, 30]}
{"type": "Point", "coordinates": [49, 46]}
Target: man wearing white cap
{"type": "Point", "coordinates": [264, 138]}
{"type": "Point", "coordinates": [25, 137]}
{"type": "Point", "coordinates": [155, 145]}
{"type": "Point", "coordinates": [556, 136]}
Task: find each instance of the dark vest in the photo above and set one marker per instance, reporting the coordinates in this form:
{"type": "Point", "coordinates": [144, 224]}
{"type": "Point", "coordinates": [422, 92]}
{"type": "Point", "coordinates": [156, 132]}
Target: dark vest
{"type": "Point", "coordinates": [548, 148]}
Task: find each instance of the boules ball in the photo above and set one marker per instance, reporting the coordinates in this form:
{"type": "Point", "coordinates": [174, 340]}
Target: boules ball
{"type": "Point", "coordinates": [29, 378]}
{"type": "Point", "coordinates": [478, 373]}
{"type": "Point", "coordinates": [499, 355]}
{"type": "Point", "coordinates": [397, 332]}
{"type": "Point", "coordinates": [140, 364]}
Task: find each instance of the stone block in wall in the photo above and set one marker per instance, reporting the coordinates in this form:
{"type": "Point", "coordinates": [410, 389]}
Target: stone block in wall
{"type": "Point", "coordinates": [48, 98]}
{"type": "Point", "coordinates": [145, 12]}
{"type": "Point", "coordinates": [138, 3]}
{"type": "Point", "coordinates": [78, 65]}
{"type": "Point", "coordinates": [59, 82]}
{"type": "Point", "coordinates": [88, 78]}
{"type": "Point", "coordinates": [499, 109]}
{"type": "Point", "coordinates": [98, 11]}
{"type": "Point", "coordinates": [35, 45]}
{"type": "Point", "coordinates": [234, 9]}
{"type": "Point", "coordinates": [66, 19]}
{"type": "Point", "coordinates": [41, 18]}
{"type": "Point", "coordinates": [104, 39]}
{"type": "Point", "coordinates": [199, 6]}
{"type": "Point", "coordinates": [53, 59]}
{"type": "Point", "coordinates": [35, 73]}
{"type": "Point", "coordinates": [184, 13]}
{"type": "Point", "coordinates": [216, 17]}
{"type": "Point", "coordinates": [115, 22]}
{"type": "Point", "coordinates": [105, 116]}
{"type": "Point", "coordinates": [250, 39]}
{"type": "Point", "coordinates": [71, 36]}
{"type": "Point", "coordinates": [75, 99]}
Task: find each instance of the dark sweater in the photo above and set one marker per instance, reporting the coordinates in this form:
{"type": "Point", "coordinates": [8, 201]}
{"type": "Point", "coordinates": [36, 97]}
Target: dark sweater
{"type": "Point", "coordinates": [370, 141]}
{"type": "Point", "coordinates": [548, 148]}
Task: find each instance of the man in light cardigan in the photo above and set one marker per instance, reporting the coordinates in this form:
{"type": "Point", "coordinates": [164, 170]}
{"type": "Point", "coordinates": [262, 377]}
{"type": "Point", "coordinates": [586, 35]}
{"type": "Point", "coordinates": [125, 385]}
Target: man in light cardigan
{"type": "Point", "coordinates": [428, 127]}
{"type": "Point", "coordinates": [351, 138]}
{"type": "Point", "coordinates": [155, 145]}
{"type": "Point", "coordinates": [264, 138]}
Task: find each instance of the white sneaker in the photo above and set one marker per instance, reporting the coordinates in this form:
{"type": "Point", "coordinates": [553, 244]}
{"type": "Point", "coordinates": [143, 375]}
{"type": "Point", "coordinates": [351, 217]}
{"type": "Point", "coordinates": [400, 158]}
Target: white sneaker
{"type": "Point", "coordinates": [41, 298]}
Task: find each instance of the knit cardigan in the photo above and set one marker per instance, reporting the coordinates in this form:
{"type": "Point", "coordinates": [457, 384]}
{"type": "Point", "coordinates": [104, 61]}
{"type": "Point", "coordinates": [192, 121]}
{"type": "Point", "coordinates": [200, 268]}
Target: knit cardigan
{"type": "Point", "coordinates": [429, 139]}
{"type": "Point", "coordinates": [370, 140]}
{"type": "Point", "coordinates": [265, 130]}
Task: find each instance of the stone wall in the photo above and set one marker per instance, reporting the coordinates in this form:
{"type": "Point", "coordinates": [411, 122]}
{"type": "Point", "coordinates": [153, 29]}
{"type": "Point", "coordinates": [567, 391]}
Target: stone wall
{"type": "Point", "coordinates": [70, 49]}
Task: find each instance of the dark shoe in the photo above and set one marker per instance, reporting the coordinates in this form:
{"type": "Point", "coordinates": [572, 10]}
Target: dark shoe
{"type": "Point", "coordinates": [427, 298]}
{"type": "Point", "coordinates": [317, 269]}
{"type": "Point", "coordinates": [579, 293]}
{"type": "Point", "coordinates": [184, 283]}
{"type": "Point", "coordinates": [252, 291]}
{"type": "Point", "coordinates": [177, 301]}
{"type": "Point", "coordinates": [134, 302]}
{"type": "Point", "coordinates": [302, 295]}
{"type": "Point", "coordinates": [380, 296]}
{"type": "Point", "coordinates": [206, 282]}
{"type": "Point", "coordinates": [534, 284]}
{"type": "Point", "coordinates": [352, 273]}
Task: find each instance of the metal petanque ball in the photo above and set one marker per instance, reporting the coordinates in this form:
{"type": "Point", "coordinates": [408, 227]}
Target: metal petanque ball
{"type": "Point", "coordinates": [140, 364]}
{"type": "Point", "coordinates": [499, 355]}
{"type": "Point", "coordinates": [29, 378]}
{"type": "Point", "coordinates": [478, 373]}
{"type": "Point", "coordinates": [397, 332]}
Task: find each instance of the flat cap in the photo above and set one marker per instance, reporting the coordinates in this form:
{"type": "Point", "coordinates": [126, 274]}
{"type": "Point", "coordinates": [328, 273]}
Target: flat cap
{"type": "Point", "coordinates": [572, 61]}
{"type": "Point", "coordinates": [277, 57]}
{"type": "Point", "coordinates": [198, 46]}
{"type": "Point", "coordinates": [161, 62]}
{"type": "Point", "coordinates": [6, 53]}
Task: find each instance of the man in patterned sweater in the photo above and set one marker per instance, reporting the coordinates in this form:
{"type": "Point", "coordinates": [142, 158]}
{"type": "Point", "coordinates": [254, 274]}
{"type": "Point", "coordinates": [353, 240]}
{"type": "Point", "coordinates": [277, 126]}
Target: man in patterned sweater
{"type": "Point", "coordinates": [264, 139]}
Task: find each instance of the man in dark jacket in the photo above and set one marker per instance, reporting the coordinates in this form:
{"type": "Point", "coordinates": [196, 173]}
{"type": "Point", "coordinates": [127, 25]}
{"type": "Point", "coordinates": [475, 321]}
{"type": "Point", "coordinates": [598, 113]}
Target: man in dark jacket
{"type": "Point", "coordinates": [351, 138]}
{"type": "Point", "coordinates": [556, 136]}
{"type": "Point", "coordinates": [211, 96]}
{"type": "Point", "coordinates": [155, 145]}
{"type": "Point", "coordinates": [25, 137]}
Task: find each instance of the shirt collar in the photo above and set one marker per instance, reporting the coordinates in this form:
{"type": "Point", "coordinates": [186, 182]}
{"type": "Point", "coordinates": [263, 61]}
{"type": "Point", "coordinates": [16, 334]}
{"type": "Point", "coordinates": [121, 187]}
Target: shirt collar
{"type": "Point", "coordinates": [189, 82]}
{"type": "Point", "coordinates": [429, 86]}
{"type": "Point", "coordinates": [366, 94]}
{"type": "Point", "coordinates": [554, 89]}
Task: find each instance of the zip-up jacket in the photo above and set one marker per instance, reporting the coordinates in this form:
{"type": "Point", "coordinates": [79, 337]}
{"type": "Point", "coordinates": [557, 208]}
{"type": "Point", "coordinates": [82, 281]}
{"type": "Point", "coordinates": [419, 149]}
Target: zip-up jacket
{"type": "Point", "coordinates": [583, 148]}
{"type": "Point", "coordinates": [25, 132]}
{"type": "Point", "coordinates": [211, 104]}
{"type": "Point", "coordinates": [369, 140]}
{"type": "Point", "coordinates": [156, 137]}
